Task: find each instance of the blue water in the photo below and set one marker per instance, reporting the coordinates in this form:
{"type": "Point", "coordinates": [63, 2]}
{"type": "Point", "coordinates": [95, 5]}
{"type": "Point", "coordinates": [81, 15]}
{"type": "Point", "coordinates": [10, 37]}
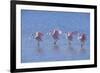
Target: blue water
{"type": "Point", "coordinates": [45, 21]}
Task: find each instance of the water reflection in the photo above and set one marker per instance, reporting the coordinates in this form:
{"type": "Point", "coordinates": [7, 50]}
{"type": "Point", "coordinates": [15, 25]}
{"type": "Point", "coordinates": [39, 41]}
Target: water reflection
{"type": "Point", "coordinates": [56, 48]}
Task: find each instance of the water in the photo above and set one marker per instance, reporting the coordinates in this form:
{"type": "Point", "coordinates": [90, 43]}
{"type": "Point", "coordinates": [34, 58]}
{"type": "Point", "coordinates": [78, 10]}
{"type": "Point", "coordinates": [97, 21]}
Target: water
{"type": "Point", "coordinates": [45, 21]}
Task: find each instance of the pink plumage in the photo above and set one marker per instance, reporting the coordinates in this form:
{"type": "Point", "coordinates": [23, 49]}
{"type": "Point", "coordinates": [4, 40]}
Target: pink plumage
{"type": "Point", "coordinates": [38, 36]}
{"type": "Point", "coordinates": [82, 37]}
{"type": "Point", "coordinates": [55, 34]}
{"type": "Point", "coordinates": [70, 36]}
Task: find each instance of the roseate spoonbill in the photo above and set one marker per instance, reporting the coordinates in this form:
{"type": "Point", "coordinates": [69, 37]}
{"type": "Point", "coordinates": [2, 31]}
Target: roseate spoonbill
{"type": "Point", "coordinates": [82, 38]}
{"type": "Point", "coordinates": [69, 36]}
{"type": "Point", "coordinates": [38, 36]}
{"type": "Point", "coordinates": [55, 34]}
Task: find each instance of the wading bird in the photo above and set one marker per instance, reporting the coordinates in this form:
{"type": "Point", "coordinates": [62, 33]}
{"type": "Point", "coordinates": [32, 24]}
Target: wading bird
{"type": "Point", "coordinates": [38, 36]}
{"type": "Point", "coordinates": [69, 36]}
{"type": "Point", "coordinates": [82, 38]}
{"type": "Point", "coordinates": [55, 35]}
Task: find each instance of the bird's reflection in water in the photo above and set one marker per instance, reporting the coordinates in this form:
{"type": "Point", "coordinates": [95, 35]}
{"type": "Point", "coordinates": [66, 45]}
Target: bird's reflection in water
{"type": "Point", "coordinates": [39, 50]}
{"type": "Point", "coordinates": [71, 51]}
{"type": "Point", "coordinates": [82, 50]}
{"type": "Point", "coordinates": [56, 48]}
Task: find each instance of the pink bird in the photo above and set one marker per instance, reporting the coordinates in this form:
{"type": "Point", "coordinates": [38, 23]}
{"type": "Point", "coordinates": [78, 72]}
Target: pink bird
{"type": "Point", "coordinates": [69, 36]}
{"type": "Point", "coordinates": [55, 34]}
{"type": "Point", "coordinates": [38, 36]}
{"type": "Point", "coordinates": [82, 38]}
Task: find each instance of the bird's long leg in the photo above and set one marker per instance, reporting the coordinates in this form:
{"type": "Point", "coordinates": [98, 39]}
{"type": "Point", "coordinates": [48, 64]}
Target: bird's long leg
{"type": "Point", "coordinates": [69, 44]}
{"type": "Point", "coordinates": [38, 44]}
{"type": "Point", "coordinates": [38, 47]}
{"type": "Point", "coordinates": [82, 45]}
{"type": "Point", "coordinates": [55, 42]}
{"type": "Point", "coordinates": [56, 47]}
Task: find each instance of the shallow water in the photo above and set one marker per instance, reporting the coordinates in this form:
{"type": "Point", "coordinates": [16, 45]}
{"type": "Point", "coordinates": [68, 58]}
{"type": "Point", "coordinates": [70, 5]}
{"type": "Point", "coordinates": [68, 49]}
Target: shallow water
{"type": "Point", "coordinates": [54, 54]}
{"type": "Point", "coordinates": [44, 21]}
